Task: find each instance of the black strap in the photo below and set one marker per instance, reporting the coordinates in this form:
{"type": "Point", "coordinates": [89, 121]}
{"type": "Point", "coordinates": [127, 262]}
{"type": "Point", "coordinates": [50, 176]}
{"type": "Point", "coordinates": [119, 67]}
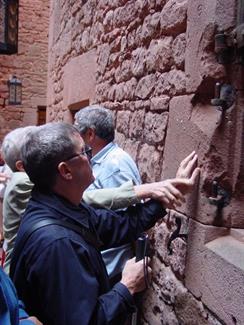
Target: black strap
{"type": "Point", "coordinates": [84, 232]}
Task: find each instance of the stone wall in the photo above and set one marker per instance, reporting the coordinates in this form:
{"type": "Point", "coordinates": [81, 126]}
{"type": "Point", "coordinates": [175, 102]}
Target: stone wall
{"type": "Point", "coordinates": [153, 63]}
{"type": "Point", "coordinates": [29, 65]}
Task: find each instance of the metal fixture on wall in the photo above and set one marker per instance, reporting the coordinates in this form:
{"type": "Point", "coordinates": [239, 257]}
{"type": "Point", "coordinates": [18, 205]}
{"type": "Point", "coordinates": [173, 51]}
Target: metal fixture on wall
{"type": "Point", "coordinates": [9, 26]}
{"type": "Point", "coordinates": [175, 234]}
{"type": "Point", "coordinates": [229, 46]}
{"type": "Point", "coordinates": [220, 198]}
{"type": "Point", "coordinates": [15, 91]}
{"type": "Point", "coordinates": [225, 96]}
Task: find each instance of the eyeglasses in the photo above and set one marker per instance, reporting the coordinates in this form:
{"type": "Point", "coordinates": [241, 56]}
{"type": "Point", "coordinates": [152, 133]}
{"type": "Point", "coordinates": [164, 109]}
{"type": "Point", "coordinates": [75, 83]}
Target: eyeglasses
{"type": "Point", "coordinates": [87, 151]}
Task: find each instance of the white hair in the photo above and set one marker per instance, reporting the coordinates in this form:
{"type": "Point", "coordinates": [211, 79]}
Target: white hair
{"type": "Point", "coordinates": [12, 144]}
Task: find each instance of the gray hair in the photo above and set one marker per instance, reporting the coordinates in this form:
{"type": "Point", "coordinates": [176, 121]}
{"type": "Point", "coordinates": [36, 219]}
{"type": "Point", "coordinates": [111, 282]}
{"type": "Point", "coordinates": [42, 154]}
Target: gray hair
{"type": "Point", "coordinates": [97, 118]}
{"type": "Point", "coordinates": [44, 149]}
{"type": "Point", "coordinates": [12, 144]}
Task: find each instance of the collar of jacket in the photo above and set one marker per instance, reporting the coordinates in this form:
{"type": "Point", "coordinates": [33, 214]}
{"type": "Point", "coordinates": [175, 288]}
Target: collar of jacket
{"type": "Point", "coordinates": [62, 207]}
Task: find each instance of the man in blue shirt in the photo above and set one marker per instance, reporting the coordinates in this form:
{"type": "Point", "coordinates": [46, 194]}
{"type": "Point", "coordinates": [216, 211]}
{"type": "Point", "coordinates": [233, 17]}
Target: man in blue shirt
{"type": "Point", "coordinates": [111, 167]}
{"type": "Point", "coordinates": [60, 274]}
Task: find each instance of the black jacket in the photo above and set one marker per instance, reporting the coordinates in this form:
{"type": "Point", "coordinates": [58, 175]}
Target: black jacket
{"type": "Point", "coordinates": [62, 278]}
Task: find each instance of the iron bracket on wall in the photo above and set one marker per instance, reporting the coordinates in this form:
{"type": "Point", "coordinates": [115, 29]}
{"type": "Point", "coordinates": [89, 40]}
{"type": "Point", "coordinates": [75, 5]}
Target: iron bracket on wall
{"type": "Point", "coordinates": [224, 48]}
{"type": "Point", "coordinates": [225, 96]}
{"type": "Point", "coordinates": [175, 234]}
{"type": "Point", "coordinates": [229, 47]}
{"type": "Point", "coordinates": [220, 198]}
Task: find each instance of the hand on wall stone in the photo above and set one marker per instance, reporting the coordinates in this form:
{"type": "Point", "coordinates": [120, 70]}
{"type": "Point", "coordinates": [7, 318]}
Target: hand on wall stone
{"type": "Point", "coordinates": [187, 166]}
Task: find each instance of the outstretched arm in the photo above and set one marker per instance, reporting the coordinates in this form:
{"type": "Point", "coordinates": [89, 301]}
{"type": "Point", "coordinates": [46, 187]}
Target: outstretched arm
{"type": "Point", "coordinates": [168, 192]}
{"type": "Point", "coordinates": [171, 192]}
{"type": "Point", "coordinates": [112, 198]}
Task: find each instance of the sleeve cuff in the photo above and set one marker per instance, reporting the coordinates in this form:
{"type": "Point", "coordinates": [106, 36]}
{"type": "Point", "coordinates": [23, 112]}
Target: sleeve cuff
{"type": "Point", "coordinates": [128, 193]}
{"type": "Point", "coordinates": [122, 290]}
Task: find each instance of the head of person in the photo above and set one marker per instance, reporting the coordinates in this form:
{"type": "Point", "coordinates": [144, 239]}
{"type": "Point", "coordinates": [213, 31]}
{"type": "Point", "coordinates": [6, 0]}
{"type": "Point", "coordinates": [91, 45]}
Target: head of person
{"type": "Point", "coordinates": [55, 159]}
{"type": "Point", "coordinates": [96, 125]}
{"type": "Point", "coordinates": [11, 147]}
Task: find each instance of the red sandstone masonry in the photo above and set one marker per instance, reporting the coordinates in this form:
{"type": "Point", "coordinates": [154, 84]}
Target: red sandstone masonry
{"type": "Point", "coordinates": [152, 57]}
{"type": "Point", "coordinates": [29, 65]}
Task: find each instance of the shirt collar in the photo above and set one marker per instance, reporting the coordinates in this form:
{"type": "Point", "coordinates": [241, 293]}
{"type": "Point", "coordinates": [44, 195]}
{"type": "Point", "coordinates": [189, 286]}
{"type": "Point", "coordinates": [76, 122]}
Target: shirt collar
{"type": "Point", "coordinates": [101, 155]}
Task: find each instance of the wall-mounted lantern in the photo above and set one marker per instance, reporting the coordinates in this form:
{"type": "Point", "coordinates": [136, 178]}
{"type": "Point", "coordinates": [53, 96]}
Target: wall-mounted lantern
{"type": "Point", "coordinates": [15, 91]}
{"type": "Point", "coordinates": [9, 26]}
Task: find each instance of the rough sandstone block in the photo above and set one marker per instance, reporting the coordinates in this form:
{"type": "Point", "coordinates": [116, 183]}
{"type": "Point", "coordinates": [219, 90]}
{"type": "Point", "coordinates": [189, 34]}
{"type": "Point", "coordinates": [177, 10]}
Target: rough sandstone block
{"type": "Point", "coordinates": [137, 124]}
{"type": "Point", "coordinates": [159, 103]}
{"type": "Point", "coordinates": [179, 48]}
{"type": "Point", "coordinates": [159, 55]}
{"type": "Point", "coordinates": [131, 146]}
{"type": "Point", "coordinates": [160, 311]}
{"type": "Point", "coordinates": [103, 53]}
{"type": "Point", "coordinates": [149, 27]}
{"type": "Point", "coordinates": [145, 86]}
{"type": "Point", "coordinates": [171, 83]}
{"type": "Point", "coordinates": [123, 92]}
{"type": "Point", "coordinates": [155, 127]}
{"type": "Point", "coordinates": [138, 62]}
{"type": "Point", "coordinates": [171, 303]}
{"type": "Point", "coordinates": [130, 89]}
{"type": "Point", "coordinates": [173, 17]}
{"type": "Point", "coordinates": [122, 123]}
{"type": "Point", "coordinates": [120, 139]}
{"type": "Point", "coordinates": [108, 21]}
{"type": "Point", "coordinates": [177, 81]}
{"type": "Point", "coordinates": [123, 72]}
{"type": "Point", "coordinates": [149, 162]}
{"type": "Point", "coordinates": [103, 92]}
{"type": "Point", "coordinates": [126, 14]}
{"type": "Point", "coordinates": [140, 104]}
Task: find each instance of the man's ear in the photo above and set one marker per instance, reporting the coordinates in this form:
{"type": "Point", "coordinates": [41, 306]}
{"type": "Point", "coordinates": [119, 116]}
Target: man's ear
{"type": "Point", "coordinates": [19, 166]}
{"type": "Point", "coordinates": [90, 133]}
{"type": "Point", "coordinates": [64, 171]}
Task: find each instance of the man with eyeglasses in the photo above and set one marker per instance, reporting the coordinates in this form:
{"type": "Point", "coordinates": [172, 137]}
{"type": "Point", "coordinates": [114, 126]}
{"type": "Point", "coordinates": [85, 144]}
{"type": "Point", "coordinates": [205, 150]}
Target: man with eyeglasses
{"type": "Point", "coordinates": [86, 151]}
{"type": "Point", "coordinates": [60, 274]}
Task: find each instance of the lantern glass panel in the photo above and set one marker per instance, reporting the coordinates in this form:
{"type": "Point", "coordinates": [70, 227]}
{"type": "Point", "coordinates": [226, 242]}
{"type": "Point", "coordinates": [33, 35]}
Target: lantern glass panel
{"type": "Point", "coordinates": [18, 93]}
{"type": "Point", "coordinates": [11, 94]}
{"type": "Point", "coordinates": [15, 91]}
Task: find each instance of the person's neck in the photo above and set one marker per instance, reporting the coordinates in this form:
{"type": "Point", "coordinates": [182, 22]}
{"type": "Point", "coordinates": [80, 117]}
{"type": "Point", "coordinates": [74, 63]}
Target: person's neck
{"type": "Point", "coordinates": [98, 145]}
{"type": "Point", "coordinates": [73, 197]}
